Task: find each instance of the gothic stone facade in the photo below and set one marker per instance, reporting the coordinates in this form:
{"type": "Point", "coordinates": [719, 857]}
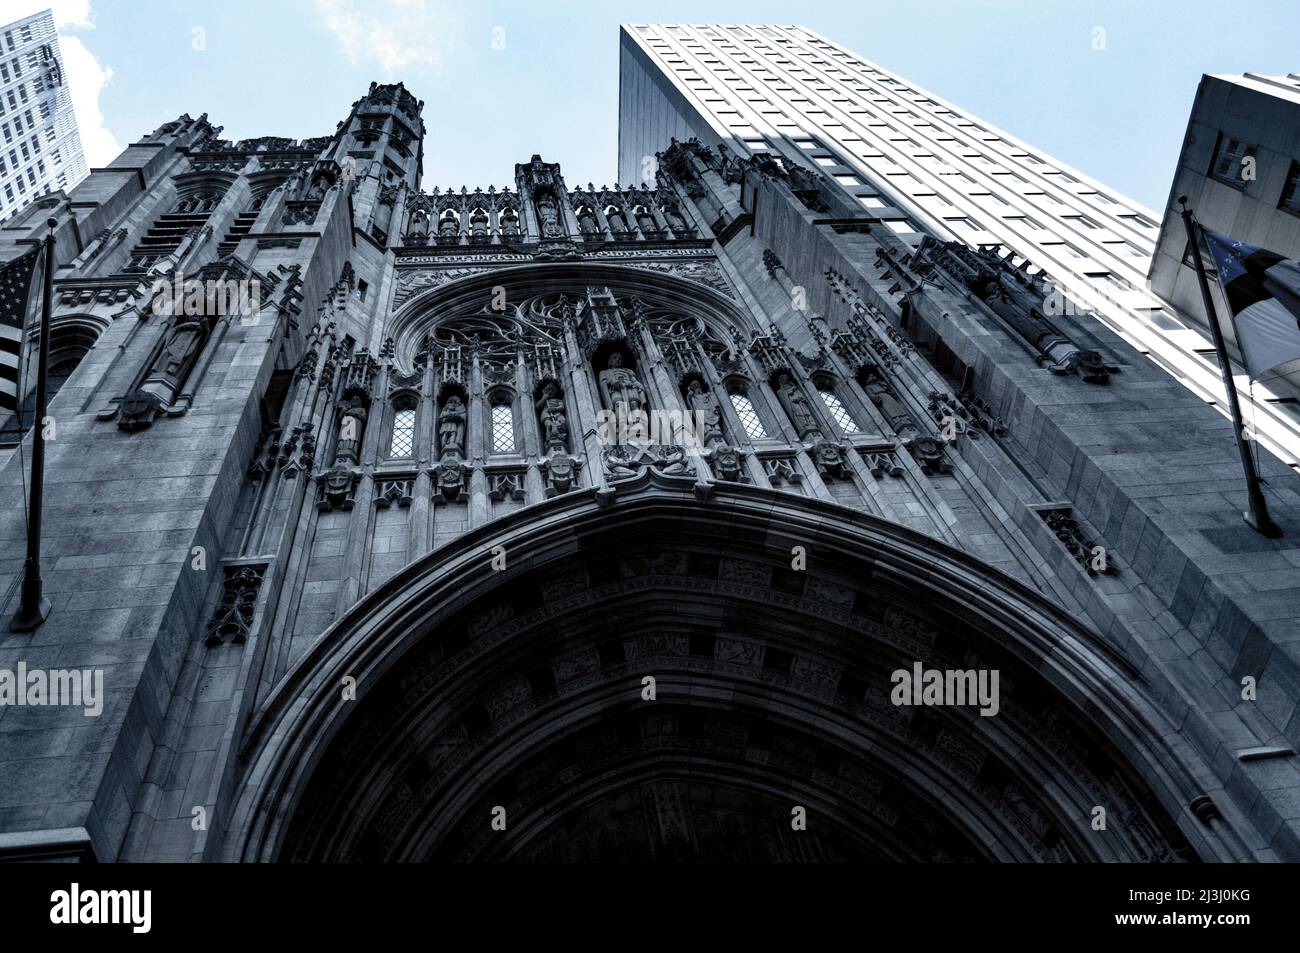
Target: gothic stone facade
{"type": "Point", "coordinates": [364, 571]}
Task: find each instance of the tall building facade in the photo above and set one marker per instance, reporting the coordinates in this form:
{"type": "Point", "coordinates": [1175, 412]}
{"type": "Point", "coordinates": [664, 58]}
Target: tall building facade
{"type": "Point", "coordinates": [1240, 169]}
{"type": "Point", "coordinates": [41, 147]}
{"type": "Point", "coordinates": [922, 166]}
{"type": "Point", "coordinates": [369, 569]}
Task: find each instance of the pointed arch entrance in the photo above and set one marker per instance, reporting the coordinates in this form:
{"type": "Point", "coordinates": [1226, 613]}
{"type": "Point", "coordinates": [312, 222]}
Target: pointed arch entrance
{"type": "Point", "coordinates": [524, 689]}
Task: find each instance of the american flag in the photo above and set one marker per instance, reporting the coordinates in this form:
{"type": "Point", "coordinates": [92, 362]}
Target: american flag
{"type": "Point", "coordinates": [15, 292]}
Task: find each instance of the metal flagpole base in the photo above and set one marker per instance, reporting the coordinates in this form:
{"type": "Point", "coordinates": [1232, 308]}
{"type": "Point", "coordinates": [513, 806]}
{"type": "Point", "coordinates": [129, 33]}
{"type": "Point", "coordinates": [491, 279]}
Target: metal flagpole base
{"type": "Point", "coordinates": [29, 618]}
{"type": "Point", "coordinates": [1265, 527]}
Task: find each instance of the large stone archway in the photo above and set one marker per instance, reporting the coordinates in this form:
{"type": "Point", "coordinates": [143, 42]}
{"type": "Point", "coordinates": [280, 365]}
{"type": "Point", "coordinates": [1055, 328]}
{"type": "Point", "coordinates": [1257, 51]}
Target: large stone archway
{"type": "Point", "coordinates": [522, 688]}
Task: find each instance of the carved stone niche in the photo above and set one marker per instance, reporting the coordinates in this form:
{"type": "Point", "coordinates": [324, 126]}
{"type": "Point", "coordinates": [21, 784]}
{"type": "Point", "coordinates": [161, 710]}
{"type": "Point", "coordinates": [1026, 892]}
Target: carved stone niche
{"type": "Point", "coordinates": [232, 620]}
{"type": "Point", "coordinates": [552, 416]}
{"type": "Point", "coordinates": [299, 213]}
{"type": "Point", "coordinates": [561, 472]}
{"type": "Point", "coordinates": [390, 491]}
{"type": "Point", "coordinates": [507, 485]}
{"type": "Point", "coordinates": [600, 322]}
{"type": "Point", "coordinates": [782, 470]}
{"type": "Point", "coordinates": [160, 385]}
{"type": "Point", "coordinates": [453, 417]}
{"type": "Point", "coordinates": [882, 460]}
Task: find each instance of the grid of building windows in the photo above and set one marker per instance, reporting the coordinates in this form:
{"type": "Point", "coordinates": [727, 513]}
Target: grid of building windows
{"type": "Point", "coordinates": [40, 147]}
{"type": "Point", "coordinates": [921, 166]}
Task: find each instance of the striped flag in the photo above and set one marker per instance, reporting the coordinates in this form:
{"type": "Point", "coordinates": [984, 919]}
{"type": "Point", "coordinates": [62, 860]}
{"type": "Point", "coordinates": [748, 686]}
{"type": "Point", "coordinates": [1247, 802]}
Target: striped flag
{"type": "Point", "coordinates": [1263, 292]}
{"type": "Point", "coordinates": [15, 293]}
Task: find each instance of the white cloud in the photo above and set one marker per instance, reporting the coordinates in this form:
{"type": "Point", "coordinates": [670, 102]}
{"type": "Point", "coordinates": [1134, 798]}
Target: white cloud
{"type": "Point", "coordinates": [396, 33]}
{"type": "Point", "coordinates": [74, 14]}
{"type": "Point", "coordinates": [86, 76]}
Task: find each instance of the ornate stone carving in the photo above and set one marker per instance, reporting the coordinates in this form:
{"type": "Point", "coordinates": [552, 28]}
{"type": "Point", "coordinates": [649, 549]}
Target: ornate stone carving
{"type": "Point", "coordinates": [882, 460]}
{"type": "Point", "coordinates": [451, 426]}
{"type": "Point", "coordinates": [337, 488]}
{"type": "Point", "coordinates": [782, 470]}
{"type": "Point", "coordinates": [881, 393]}
{"type": "Point", "coordinates": [620, 388]}
{"type": "Point", "coordinates": [702, 272]}
{"type": "Point", "coordinates": [964, 416]}
{"type": "Point", "coordinates": [928, 454]}
{"type": "Point", "coordinates": [502, 486]}
{"type": "Point", "coordinates": [390, 491]}
{"type": "Point", "coordinates": [299, 213]}
{"type": "Point", "coordinates": [449, 480]}
{"type": "Point", "coordinates": [561, 472]}
{"type": "Point", "coordinates": [1094, 558]}
{"type": "Point", "coordinates": [622, 462]}
{"type": "Point", "coordinates": [1015, 296]}
{"type": "Point", "coordinates": [553, 418]}
{"type": "Point", "coordinates": [796, 407]}
{"type": "Point", "coordinates": [600, 321]}
{"type": "Point", "coordinates": [232, 620]}
{"type": "Point", "coordinates": [727, 463]}
{"type": "Point", "coordinates": [830, 460]}
{"type": "Point", "coordinates": [411, 282]}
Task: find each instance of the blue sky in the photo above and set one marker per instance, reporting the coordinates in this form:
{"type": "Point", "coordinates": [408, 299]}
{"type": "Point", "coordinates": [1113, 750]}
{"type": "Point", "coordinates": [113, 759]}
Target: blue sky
{"type": "Point", "coordinates": [549, 82]}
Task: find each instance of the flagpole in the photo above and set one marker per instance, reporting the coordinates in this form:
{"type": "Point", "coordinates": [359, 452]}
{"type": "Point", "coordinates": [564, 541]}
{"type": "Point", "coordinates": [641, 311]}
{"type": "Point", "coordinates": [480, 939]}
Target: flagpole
{"type": "Point", "coordinates": [1257, 516]}
{"type": "Point", "coordinates": [34, 607]}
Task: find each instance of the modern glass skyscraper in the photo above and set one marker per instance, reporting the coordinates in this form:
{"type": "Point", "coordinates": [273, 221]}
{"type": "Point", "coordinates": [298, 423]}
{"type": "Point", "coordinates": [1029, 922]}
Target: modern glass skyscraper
{"type": "Point", "coordinates": [41, 147]}
{"type": "Point", "coordinates": [917, 164]}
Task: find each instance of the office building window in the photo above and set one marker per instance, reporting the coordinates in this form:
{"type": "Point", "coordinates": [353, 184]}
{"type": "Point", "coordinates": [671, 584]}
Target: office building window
{"type": "Point", "coordinates": [1232, 157]}
{"type": "Point", "coordinates": [1291, 191]}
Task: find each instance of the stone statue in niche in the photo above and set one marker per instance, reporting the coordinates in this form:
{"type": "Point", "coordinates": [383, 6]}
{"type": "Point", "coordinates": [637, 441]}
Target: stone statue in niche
{"type": "Point", "coordinates": [646, 221]}
{"type": "Point", "coordinates": [587, 222]}
{"type": "Point", "coordinates": [548, 214]}
{"type": "Point", "coordinates": [478, 223]}
{"type": "Point", "coordinates": [550, 411]}
{"type": "Point", "coordinates": [617, 224]}
{"type": "Point", "coordinates": [620, 388]}
{"type": "Point", "coordinates": [873, 382]}
{"type": "Point", "coordinates": [166, 376]}
{"type": "Point", "coordinates": [419, 232]}
{"type": "Point", "coordinates": [796, 405]}
{"type": "Point", "coordinates": [451, 427]}
{"type": "Point", "coordinates": [510, 223]}
{"type": "Point", "coordinates": [352, 423]}
{"type": "Point", "coordinates": [674, 217]}
{"type": "Point", "coordinates": [183, 342]}
{"type": "Point", "coordinates": [317, 191]}
{"type": "Point", "coordinates": [708, 413]}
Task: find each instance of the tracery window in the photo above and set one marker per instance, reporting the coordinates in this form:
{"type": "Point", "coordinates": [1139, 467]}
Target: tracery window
{"type": "Point", "coordinates": [748, 416]}
{"type": "Point", "coordinates": [503, 429]}
{"type": "Point", "coordinates": [838, 410]}
{"type": "Point", "coordinates": [403, 441]}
